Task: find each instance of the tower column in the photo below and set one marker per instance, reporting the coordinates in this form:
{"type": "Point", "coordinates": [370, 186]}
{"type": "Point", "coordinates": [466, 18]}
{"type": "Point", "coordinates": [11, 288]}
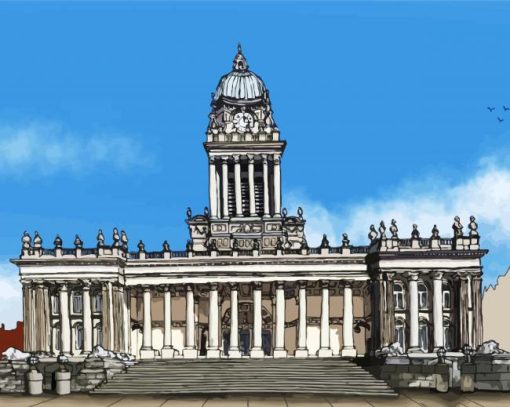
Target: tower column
{"type": "Point", "coordinates": [256, 350]}
{"type": "Point", "coordinates": [233, 351]}
{"type": "Point", "coordinates": [147, 352]}
{"type": "Point", "coordinates": [348, 349]}
{"type": "Point", "coordinates": [279, 351]}
{"type": "Point", "coordinates": [87, 318]}
{"type": "Point", "coordinates": [224, 181]}
{"type": "Point", "coordinates": [413, 312]}
{"type": "Point", "coordinates": [265, 170]}
{"type": "Point", "coordinates": [277, 186]}
{"type": "Point", "coordinates": [168, 350]}
{"type": "Point", "coordinates": [65, 329]}
{"type": "Point", "coordinates": [325, 349]}
{"type": "Point", "coordinates": [213, 199]}
{"type": "Point", "coordinates": [213, 350]}
{"type": "Point", "coordinates": [237, 182]}
{"type": "Point", "coordinates": [190, 350]}
{"type": "Point", "coordinates": [302, 350]}
{"type": "Point", "coordinates": [437, 309]}
{"type": "Point", "coordinates": [251, 183]}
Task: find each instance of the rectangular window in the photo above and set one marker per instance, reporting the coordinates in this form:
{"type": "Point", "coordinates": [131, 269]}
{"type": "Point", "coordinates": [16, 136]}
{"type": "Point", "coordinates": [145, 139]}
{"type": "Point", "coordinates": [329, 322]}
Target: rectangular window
{"type": "Point", "coordinates": [98, 303]}
{"type": "Point", "coordinates": [55, 305]}
{"type": "Point", "coordinates": [77, 303]}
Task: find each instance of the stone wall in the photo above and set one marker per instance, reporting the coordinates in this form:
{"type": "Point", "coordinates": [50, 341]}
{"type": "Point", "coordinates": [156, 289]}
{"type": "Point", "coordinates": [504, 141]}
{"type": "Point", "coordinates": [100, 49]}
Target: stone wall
{"type": "Point", "coordinates": [13, 376]}
{"type": "Point", "coordinates": [412, 376]}
{"type": "Point", "coordinates": [487, 372]}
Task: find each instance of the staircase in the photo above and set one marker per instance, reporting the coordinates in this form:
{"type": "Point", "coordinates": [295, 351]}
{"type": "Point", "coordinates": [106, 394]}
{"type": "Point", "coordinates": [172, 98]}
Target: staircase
{"type": "Point", "coordinates": [325, 376]}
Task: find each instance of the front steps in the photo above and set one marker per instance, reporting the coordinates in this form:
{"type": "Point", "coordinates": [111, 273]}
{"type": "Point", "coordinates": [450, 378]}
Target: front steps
{"type": "Point", "coordinates": [322, 376]}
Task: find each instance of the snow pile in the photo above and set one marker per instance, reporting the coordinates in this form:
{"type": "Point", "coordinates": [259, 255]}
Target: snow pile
{"type": "Point", "coordinates": [489, 348]}
{"type": "Point", "coordinates": [100, 352]}
{"type": "Point", "coordinates": [393, 350]}
{"type": "Point", "coordinates": [14, 354]}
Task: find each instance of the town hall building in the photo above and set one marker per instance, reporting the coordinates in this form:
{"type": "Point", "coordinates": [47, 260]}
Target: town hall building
{"type": "Point", "coordinates": [248, 285]}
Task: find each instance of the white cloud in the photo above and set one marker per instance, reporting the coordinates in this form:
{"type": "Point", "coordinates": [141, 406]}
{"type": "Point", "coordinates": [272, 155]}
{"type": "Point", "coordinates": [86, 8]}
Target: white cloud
{"type": "Point", "coordinates": [11, 309]}
{"type": "Point", "coordinates": [484, 194]}
{"type": "Point", "coordinates": [45, 148]}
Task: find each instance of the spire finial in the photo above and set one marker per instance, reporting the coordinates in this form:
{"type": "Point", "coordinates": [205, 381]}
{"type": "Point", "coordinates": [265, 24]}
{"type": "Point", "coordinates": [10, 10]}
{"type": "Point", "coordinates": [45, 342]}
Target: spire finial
{"type": "Point", "coordinates": [239, 60]}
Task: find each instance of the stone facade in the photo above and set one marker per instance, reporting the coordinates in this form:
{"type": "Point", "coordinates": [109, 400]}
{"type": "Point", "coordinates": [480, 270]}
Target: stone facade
{"type": "Point", "coordinates": [248, 284]}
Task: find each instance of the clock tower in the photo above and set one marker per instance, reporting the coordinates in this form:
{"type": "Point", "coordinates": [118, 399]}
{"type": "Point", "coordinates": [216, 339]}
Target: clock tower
{"type": "Point", "coordinates": [244, 150]}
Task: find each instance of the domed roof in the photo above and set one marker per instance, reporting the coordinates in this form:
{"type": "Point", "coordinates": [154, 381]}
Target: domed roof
{"type": "Point", "coordinates": [240, 85]}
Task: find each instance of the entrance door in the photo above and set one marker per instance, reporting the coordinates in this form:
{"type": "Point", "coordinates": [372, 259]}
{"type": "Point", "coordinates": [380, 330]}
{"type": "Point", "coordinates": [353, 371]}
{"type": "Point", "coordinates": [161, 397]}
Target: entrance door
{"type": "Point", "coordinates": [266, 342]}
{"type": "Point", "coordinates": [226, 342]}
{"type": "Point", "coordinates": [244, 342]}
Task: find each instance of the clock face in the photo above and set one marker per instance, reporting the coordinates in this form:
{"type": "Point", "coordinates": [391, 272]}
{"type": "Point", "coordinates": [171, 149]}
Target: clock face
{"type": "Point", "coordinates": [243, 121]}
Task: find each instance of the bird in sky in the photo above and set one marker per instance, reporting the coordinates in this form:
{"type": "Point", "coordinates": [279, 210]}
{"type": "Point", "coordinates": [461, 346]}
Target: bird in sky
{"type": "Point", "coordinates": [500, 119]}
{"type": "Point", "coordinates": [506, 108]}
{"type": "Point", "coordinates": [491, 109]}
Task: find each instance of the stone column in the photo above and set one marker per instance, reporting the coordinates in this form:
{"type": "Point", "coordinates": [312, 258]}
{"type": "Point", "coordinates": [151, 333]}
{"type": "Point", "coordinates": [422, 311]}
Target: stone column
{"type": "Point", "coordinates": [168, 350]}
{"type": "Point", "coordinates": [413, 312]}
{"type": "Point", "coordinates": [87, 318]}
{"type": "Point", "coordinates": [65, 328]}
{"type": "Point", "coordinates": [302, 349]}
{"type": "Point", "coordinates": [42, 318]}
{"type": "Point", "coordinates": [29, 324]}
{"type": "Point", "coordinates": [348, 349]}
{"type": "Point", "coordinates": [277, 186]}
{"type": "Point", "coordinates": [251, 184]}
{"type": "Point", "coordinates": [233, 351]}
{"type": "Point", "coordinates": [237, 182]}
{"type": "Point", "coordinates": [470, 311]}
{"type": "Point", "coordinates": [265, 169]}
{"type": "Point", "coordinates": [213, 350]}
{"type": "Point", "coordinates": [437, 310]}
{"type": "Point", "coordinates": [477, 310]}
{"type": "Point", "coordinates": [190, 350]}
{"type": "Point", "coordinates": [279, 351]}
{"type": "Point", "coordinates": [224, 181]}
{"type": "Point", "coordinates": [147, 352]}
{"type": "Point", "coordinates": [213, 199]}
{"type": "Point", "coordinates": [325, 349]}
{"type": "Point", "coordinates": [256, 350]}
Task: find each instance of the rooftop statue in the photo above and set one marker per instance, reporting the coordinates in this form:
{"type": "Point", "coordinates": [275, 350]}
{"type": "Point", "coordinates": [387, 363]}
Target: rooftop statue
{"type": "Point", "coordinates": [435, 232]}
{"type": "Point", "coordinates": [26, 240]}
{"type": "Point", "coordinates": [57, 242]}
{"type": "Point", "coordinates": [166, 246]}
{"type": "Point", "coordinates": [206, 211]}
{"type": "Point", "coordinates": [78, 243]}
{"type": "Point", "coordinates": [37, 240]}
{"type": "Point", "coordinates": [116, 238]}
{"type": "Point", "coordinates": [382, 230]}
{"type": "Point", "coordinates": [473, 227]}
{"type": "Point", "coordinates": [394, 229]}
{"type": "Point", "coordinates": [415, 234]}
{"type": "Point", "coordinates": [300, 213]}
{"type": "Point", "coordinates": [124, 240]}
{"type": "Point", "coordinates": [100, 238]}
{"type": "Point", "coordinates": [372, 235]}
{"type": "Point", "coordinates": [189, 214]}
{"type": "Point", "coordinates": [141, 247]}
{"type": "Point", "coordinates": [457, 227]}
{"type": "Point", "coordinates": [345, 240]}
{"type": "Point", "coordinates": [324, 242]}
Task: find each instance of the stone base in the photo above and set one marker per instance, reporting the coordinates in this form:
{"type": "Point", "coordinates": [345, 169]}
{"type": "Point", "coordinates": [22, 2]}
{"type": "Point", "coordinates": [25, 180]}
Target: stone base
{"type": "Point", "coordinates": [325, 353]}
{"type": "Point", "coordinates": [35, 383]}
{"type": "Point", "coordinates": [168, 353]}
{"type": "Point", "coordinates": [348, 353]}
{"type": "Point", "coordinates": [147, 354]}
{"type": "Point", "coordinates": [213, 353]}
{"type": "Point", "coordinates": [234, 354]}
{"type": "Point", "coordinates": [301, 353]}
{"type": "Point", "coordinates": [63, 385]}
{"type": "Point", "coordinates": [257, 354]}
{"type": "Point", "coordinates": [279, 353]}
{"type": "Point", "coordinates": [189, 353]}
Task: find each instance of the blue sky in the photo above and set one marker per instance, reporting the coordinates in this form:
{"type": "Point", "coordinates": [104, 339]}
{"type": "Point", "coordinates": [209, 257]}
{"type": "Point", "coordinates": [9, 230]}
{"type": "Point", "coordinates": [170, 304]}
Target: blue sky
{"type": "Point", "coordinates": [103, 109]}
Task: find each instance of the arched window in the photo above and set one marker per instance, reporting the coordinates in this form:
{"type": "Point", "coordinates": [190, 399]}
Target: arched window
{"type": "Point", "coordinates": [56, 338]}
{"type": "Point", "coordinates": [78, 336]}
{"type": "Point", "coordinates": [77, 302]}
{"type": "Point", "coordinates": [447, 297]}
{"type": "Point", "coordinates": [448, 334]}
{"type": "Point", "coordinates": [423, 299]}
{"type": "Point", "coordinates": [98, 302]}
{"type": "Point", "coordinates": [400, 333]}
{"type": "Point", "coordinates": [398, 296]}
{"type": "Point", "coordinates": [55, 305]}
{"type": "Point", "coordinates": [423, 335]}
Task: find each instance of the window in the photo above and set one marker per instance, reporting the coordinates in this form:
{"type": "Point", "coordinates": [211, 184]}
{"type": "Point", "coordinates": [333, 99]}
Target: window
{"type": "Point", "coordinates": [77, 303]}
{"type": "Point", "coordinates": [422, 296]}
{"type": "Point", "coordinates": [98, 302]}
{"type": "Point", "coordinates": [447, 297]}
{"type": "Point", "coordinates": [98, 340]}
{"type": "Point", "coordinates": [400, 333]}
{"type": "Point", "coordinates": [423, 335]}
{"type": "Point", "coordinates": [56, 337]}
{"type": "Point", "coordinates": [55, 305]}
{"type": "Point", "coordinates": [398, 296]}
{"type": "Point", "coordinates": [78, 336]}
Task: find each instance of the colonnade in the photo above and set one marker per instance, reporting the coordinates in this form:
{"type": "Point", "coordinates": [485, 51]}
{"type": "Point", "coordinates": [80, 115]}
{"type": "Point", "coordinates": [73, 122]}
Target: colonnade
{"type": "Point", "coordinates": [190, 350]}
{"type": "Point", "coordinates": [219, 199]}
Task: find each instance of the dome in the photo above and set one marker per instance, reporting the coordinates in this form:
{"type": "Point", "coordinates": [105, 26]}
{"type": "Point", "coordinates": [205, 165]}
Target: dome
{"type": "Point", "coordinates": [240, 85]}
